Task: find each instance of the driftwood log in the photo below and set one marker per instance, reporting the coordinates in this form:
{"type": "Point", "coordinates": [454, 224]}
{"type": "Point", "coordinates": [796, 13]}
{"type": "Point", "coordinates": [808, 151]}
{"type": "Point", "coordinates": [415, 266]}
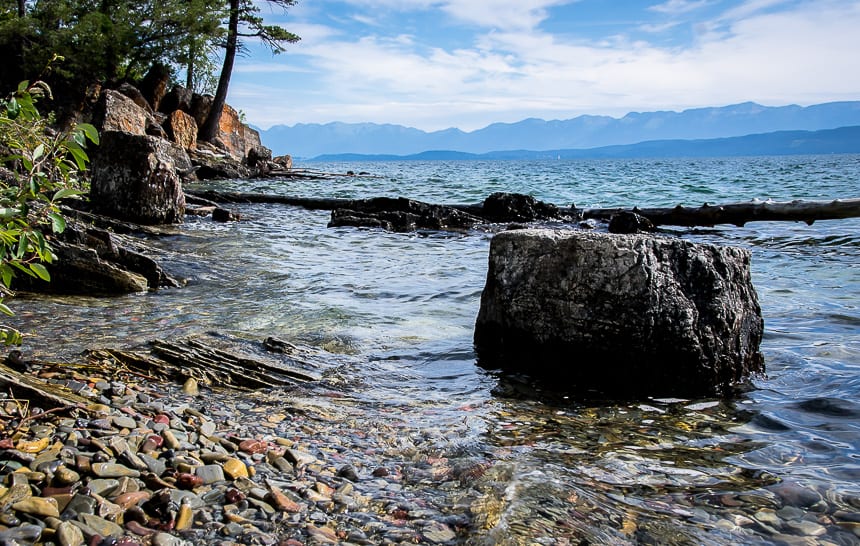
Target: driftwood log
{"type": "Point", "coordinates": [505, 207]}
{"type": "Point", "coordinates": [739, 214]}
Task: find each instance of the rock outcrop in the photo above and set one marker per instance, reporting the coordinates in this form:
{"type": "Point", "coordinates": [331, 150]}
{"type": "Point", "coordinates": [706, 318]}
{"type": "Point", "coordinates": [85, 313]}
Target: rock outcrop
{"type": "Point", "coordinates": [134, 177]}
{"type": "Point", "coordinates": [237, 138]}
{"type": "Point", "coordinates": [94, 261]}
{"type": "Point", "coordinates": [621, 315]}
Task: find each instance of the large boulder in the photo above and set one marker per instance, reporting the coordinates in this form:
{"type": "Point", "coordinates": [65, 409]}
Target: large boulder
{"type": "Point", "coordinates": [200, 107]}
{"type": "Point", "coordinates": [94, 261]}
{"type": "Point", "coordinates": [623, 315]}
{"type": "Point", "coordinates": [116, 112]}
{"type": "Point", "coordinates": [179, 98]}
{"type": "Point", "coordinates": [135, 95]}
{"type": "Point", "coordinates": [134, 178]}
{"type": "Point", "coordinates": [182, 129]}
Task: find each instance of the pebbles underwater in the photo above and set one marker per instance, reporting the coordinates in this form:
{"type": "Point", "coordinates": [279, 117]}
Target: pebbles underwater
{"type": "Point", "coordinates": [152, 463]}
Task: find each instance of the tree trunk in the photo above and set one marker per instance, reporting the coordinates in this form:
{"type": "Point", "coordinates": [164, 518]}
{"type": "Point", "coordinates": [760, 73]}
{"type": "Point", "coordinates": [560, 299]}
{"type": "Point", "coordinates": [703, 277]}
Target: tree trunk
{"type": "Point", "coordinates": [22, 8]}
{"type": "Point", "coordinates": [209, 131]}
{"type": "Point", "coordinates": [189, 71]}
{"type": "Point", "coordinates": [740, 213]}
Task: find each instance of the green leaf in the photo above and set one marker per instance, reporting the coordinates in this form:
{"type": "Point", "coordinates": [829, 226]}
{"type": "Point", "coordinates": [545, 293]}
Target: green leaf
{"type": "Point", "coordinates": [78, 154]}
{"type": "Point", "coordinates": [5, 309]}
{"type": "Point", "coordinates": [58, 223]}
{"type": "Point", "coordinates": [67, 192]}
{"type": "Point", "coordinates": [20, 267]}
{"type": "Point", "coordinates": [38, 152]}
{"type": "Point", "coordinates": [41, 271]}
{"type": "Point", "coordinates": [89, 131]}
{"type": "Point", "coordinates": [7, 214]}
{"type": "Point", "coordinates": [22, 87]}
{"type": "Point", "coordinates": [6, 275]}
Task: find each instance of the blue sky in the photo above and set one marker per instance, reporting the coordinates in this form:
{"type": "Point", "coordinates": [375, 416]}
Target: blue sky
{"type": "Point", "coordinates": [435, 64]}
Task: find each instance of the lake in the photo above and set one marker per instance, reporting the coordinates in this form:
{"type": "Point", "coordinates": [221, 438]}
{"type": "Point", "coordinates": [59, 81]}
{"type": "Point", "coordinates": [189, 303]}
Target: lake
{"type": "Point", "coordinates": [778, 464]}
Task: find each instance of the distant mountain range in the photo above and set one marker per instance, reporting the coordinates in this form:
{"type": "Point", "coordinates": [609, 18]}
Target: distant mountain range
{"type": "Point", "coordinates": [829, 141]}
{"type": "Point", "coordinates": [661, 129]}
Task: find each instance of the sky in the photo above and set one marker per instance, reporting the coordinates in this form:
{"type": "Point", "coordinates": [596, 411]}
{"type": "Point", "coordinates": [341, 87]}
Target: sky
{"type": "Point", "coordinates": [437, 64]}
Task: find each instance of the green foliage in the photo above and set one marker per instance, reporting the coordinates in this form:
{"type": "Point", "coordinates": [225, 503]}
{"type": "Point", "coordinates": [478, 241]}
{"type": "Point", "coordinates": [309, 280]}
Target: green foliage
{"type": "Point", "coordinates": [46, 167]}
{"type": "Point", "coordinates": [274, 36]}
{"type": "Point", "coordinates": [106, 41]}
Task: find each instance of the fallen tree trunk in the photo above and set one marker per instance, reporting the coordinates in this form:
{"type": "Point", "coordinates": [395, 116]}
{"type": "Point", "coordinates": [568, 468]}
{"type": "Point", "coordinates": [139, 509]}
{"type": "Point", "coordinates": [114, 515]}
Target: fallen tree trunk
{"type": "Point", "coordinates": [520, 208]}
{"type": "Point", "coordinates": [243, 197]}
{"type": "Point", "coordinates": [739, 214]}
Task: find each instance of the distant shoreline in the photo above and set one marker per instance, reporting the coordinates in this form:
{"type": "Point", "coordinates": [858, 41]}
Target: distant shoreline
{"type": "Point", "coordinates": [843, 140]}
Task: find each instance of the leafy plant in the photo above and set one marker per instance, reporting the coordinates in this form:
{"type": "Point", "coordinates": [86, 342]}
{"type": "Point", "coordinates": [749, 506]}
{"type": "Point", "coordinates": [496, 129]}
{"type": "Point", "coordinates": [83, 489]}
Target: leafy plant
{"type": "Point", "coordinates": [45, 167]}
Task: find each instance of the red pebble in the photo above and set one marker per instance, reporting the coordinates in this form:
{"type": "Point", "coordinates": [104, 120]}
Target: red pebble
{"type": "Point", "coordinates": [253, 446]}
{"type": "Point", "coordinates": [7, 443]}
{"type": "Point", "coordinates": [188, 481]}
{"type": "Point", "coordinates": [152, 442]}
{"type": "Point", "coordinates": [162, 418]}
{"type": "Point", "coordinates": [233, 495]}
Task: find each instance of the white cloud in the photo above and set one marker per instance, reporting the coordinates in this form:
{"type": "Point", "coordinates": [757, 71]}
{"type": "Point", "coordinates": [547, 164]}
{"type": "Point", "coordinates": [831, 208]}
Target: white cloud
{"type": "Point", "coordinates": [675, 7]}
{"type": "Point", "coordinates": [503, 14]}
{"type": "Point", "coordinates": [804, 55]}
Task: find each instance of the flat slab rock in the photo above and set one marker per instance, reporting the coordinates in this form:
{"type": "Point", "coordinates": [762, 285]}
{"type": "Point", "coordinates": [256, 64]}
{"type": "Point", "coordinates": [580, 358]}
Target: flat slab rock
{"type": "Point", "coordinates": [622, 315]}
{"type": "Point", "coordinates": [220, 360]}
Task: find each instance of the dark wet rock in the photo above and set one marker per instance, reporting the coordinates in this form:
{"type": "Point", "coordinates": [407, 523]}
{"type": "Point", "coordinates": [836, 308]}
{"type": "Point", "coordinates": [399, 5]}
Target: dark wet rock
{"type": "Point", "coordinates": [628, 315]}
{"type": "Point", "coordinates": [402, 215]}
{"type": "Point", "coordinates": [831, 407]}
{"type": "Point", "coordinates": [96, 261]}
{"type": "Point", "coordinates": [154, 85]}
{"type": "Point", "coordinates": [200, 107]}
{"type": "Point", "coordinates": [258, 155]}
{"type": "Point", "coordinates": [517, 207]}
{"type": "Point", "coordinates": [223, 215]}
{"type": "Point", "coordinates": [135, 95]}
{"type": "Point", "coordinates": [134, 178]}
{"type": "Point", "coordinates": [178, 98]}
{"type": "Point", "coordinates": [630, 222]}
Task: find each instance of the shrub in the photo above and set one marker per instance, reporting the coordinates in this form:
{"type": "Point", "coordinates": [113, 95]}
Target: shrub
{"type": "Point", "coordinates": [43, 166]}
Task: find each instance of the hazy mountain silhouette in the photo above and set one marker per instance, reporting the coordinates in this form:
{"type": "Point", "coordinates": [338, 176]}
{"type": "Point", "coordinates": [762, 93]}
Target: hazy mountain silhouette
{"type": "Point", "coordinates": [829, 141]}
{"type": "Point", "coordinates": [310, 140]}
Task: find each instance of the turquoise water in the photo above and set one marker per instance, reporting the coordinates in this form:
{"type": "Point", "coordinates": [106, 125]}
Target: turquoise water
{"type": "Point", "coordinates": [650, 472]}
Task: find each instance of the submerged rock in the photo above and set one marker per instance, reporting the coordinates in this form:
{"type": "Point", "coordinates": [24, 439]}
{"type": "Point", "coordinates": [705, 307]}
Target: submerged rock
{"type": "Point", "coordinates": [627, 315]}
